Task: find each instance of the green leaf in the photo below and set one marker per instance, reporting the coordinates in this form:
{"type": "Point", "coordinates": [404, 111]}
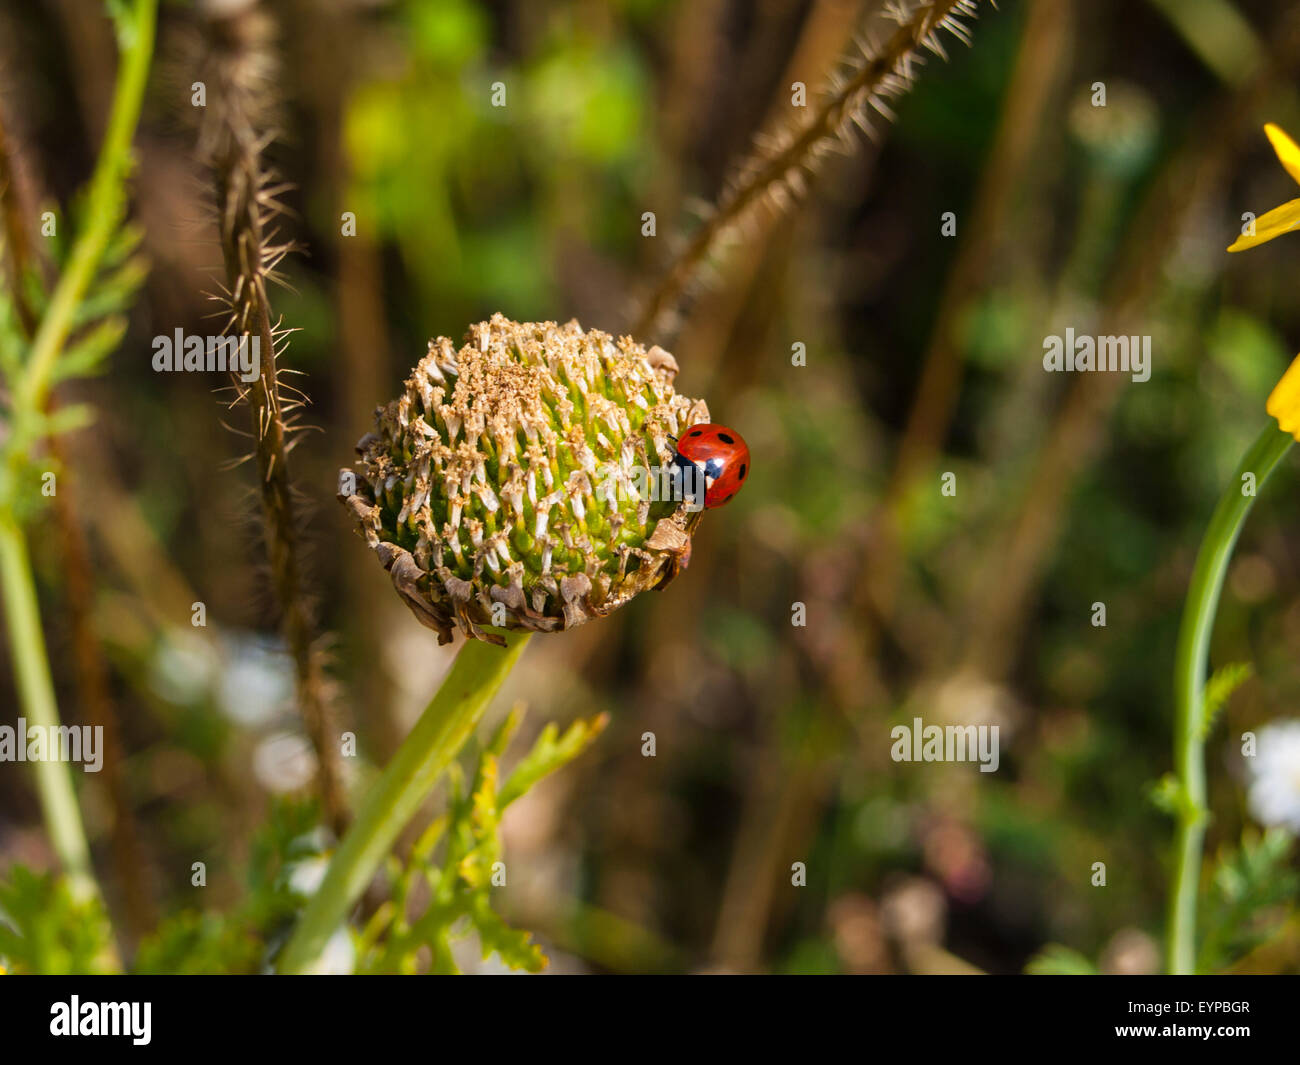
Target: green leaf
{"type": "Point", "coordinates": [13, 345]}
{"type": "Point", "coordinates": [1166, 794]}
{"type": "Point", "coordinates": [460, 883]}
{"type": "Point", "coordinates": [514, 946]}
{"type": "Point", "coordinates": [1218, 690]}
{"type": "Point", "coordinates": [549, 754]}
{"type": "Point", "coordinates": [475, 867]}
{"type": "Point", "coordinates": [112, 292]}
{"type": "Point", "coordinates": [1056, 960]}
{"type": "Point", "coordinates": [86, 356]}
{"type": "Point", "coordinates": [44, 930]}
{"type": "Point", "coordinates": [506, 730]}
{"type": "Point", "coordinates": [1251, 891]}
{"type": "Point", "coordinates": [67, 419]}
{"type": "Point", "coordinates": [243, 940]}
{"type": "Point", "coordinates": [192, 943]}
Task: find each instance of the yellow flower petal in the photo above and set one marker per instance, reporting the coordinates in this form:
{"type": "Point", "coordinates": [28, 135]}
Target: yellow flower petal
{"type": "Point", "coordinates": [1273, 224]}
{"type": "Point", "coordinates": [1288, 152]}
{"type": "Point", "coordinates": [1284, 401]}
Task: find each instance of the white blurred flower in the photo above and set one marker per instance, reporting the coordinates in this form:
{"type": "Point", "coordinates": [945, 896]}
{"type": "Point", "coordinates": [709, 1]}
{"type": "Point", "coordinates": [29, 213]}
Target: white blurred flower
{"type": "Point", "coordinates": [1274, 790]}
{"type": "Point", "coordinates": [183, 667]}
{"type": "Point", "coordinates": [284, 761]}
{"type": "Point", "coordinates": [257, 682]}
{"type": "Point", "coordinates": [305, 876]}
{"type": "Point", "coordinates": [338, 958]}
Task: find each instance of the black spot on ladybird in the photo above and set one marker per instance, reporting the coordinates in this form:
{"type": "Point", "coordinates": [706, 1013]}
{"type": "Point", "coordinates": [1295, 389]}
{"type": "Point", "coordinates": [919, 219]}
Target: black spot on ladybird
{"type": "Point", "coordinates": [742, 471]}
{"type": "Point", "coordinates": [697, 432]}
{"type": "Point", "coordinates": [725, 438]}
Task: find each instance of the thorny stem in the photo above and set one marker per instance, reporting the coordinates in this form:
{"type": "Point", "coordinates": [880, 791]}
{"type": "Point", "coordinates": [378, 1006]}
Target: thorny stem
{"type": "Point", "coordinates": [886, 72]}
{"type": "Point", "coordinates": [443, 729]}
{"type": "Point", "coordinates": [1189, 687]}
{"type": "Point", "coordinates": [245, 205]}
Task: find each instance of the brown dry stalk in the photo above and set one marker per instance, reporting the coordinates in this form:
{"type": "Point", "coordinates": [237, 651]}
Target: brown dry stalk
{"type": "Point", "coordinates": [97, 706]}
{"type": "Point", "coordinates": [235, 132]}
{"type": "Point", "coordinates": [15, 218]}
{"type": "Point", "coordinates": [782, 165]}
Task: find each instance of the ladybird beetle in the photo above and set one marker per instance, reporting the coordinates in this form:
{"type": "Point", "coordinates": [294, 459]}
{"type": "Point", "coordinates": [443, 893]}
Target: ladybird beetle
{"type": "Point", "coordinates": [717, 454]}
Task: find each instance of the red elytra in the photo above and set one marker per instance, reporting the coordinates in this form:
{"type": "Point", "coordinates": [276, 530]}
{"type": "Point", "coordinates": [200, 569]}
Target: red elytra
{"type": "Point", "coordinates": [723, 457]}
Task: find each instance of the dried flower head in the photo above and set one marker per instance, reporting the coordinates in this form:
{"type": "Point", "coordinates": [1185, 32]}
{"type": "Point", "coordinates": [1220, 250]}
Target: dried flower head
{"type": "Point", "coordinates": [519, 481]}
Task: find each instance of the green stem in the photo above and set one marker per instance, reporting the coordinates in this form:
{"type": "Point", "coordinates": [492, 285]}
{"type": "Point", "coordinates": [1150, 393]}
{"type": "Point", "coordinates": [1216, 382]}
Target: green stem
{"type": "Point", "coordinates": [103, 208]}
{"type": "Point", "coordinates": [443, 729]}
{"type": "Point", "coordinates": [36, 689]}
{"type": "Point", "coordinates": [1189, 687]}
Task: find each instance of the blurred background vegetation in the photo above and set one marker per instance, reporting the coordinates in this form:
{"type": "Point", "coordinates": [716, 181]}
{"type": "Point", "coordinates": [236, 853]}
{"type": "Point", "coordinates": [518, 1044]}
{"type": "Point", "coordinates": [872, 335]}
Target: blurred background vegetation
{"type": "Point", "coordinates": [923, 356]}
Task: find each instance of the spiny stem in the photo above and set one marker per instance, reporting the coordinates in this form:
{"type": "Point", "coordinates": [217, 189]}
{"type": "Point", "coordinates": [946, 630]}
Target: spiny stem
{"type": "Point", "coordinates": [1189, 688]}
{"type": "Point", "coordinates": [443, 729]}
{"type": "Point", "coordinates": [245, 206]}
{"type": "Point", "coordinates": [780, 173]}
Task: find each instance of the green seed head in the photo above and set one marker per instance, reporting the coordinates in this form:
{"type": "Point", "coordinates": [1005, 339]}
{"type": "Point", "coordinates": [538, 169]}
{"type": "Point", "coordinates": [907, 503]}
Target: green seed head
{"type": "Point", "coordinates": [521, 481]}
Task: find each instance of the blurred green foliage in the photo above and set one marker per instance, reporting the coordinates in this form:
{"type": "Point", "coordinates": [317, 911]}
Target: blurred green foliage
{"type": "Point", "coordinates": [772, 740]}
{"type": "Point", "coordinates": [45, 930]}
